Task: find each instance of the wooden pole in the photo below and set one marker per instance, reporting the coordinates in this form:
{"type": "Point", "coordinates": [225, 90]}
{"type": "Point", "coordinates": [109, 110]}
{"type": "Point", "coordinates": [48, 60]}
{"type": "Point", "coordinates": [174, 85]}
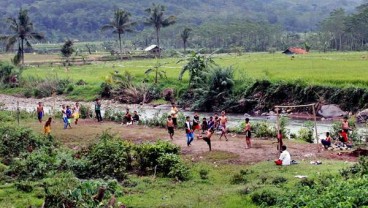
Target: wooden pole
{"type": "Point", "coordinates": [315, 127]}
{"type": "Point", "coordinates": [278, 130]}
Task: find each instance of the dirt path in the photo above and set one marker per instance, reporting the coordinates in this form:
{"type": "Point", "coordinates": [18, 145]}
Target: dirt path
{"type": "Point", "coordinates": [233, 150]}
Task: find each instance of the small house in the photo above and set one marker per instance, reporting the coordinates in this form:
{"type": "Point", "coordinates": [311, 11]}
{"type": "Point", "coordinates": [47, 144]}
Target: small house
{"type": "Point", "coordinates": [153, 49]}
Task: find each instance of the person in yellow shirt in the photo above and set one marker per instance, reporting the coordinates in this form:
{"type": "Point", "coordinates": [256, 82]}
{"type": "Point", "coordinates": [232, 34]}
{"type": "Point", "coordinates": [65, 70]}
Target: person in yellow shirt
{"type": "Point", "coordinates": [47, 127]}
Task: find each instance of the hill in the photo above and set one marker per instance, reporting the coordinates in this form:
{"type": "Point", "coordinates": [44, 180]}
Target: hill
{"type": "Point", "coordinates": [82, 19]}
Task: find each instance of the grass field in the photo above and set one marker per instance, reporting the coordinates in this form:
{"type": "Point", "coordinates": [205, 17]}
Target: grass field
{"type": "Point", "coordinates": [331, 69]}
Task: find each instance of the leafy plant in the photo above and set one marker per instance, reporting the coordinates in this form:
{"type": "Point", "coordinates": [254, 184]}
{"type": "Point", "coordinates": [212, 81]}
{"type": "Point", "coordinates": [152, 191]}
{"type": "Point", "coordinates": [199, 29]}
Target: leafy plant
{"type": "Point", "coordinates": [306, 132]}
{"type": "Point", "coordinates": [203, 174]}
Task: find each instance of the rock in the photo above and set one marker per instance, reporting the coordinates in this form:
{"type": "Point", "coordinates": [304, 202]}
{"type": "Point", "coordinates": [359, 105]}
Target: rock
{"type": "Point", "coordinates": [264, 114]}
{"type": "Point", "coordinates": [331, 111]}
{"type": "Point", "coordinates": [362, 116]}
{"type": "Point", "coordinates": [246, 115]}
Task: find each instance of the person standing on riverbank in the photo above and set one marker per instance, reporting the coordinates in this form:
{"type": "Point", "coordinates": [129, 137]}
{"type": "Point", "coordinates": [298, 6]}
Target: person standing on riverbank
{"type": "Point", "coordinates": [189, 131]}
{"type": "Point", "coordinates": [40, 112]}
{"type": "Point", "coordinates": [170, 127]}
{"type": "Point", "coordinates": [64, 116]}
{"type": "Point", "coordinates": [196, 125]}
{"type": "Point", "coordinates": [98, 110]}
{"type": "Point", "coordinates": [174, 113]}
{"type": "Point", "coordinates": [69, 115]}
{"type": "Point", "coordinates": [247, 133]}
{"type": "Point", "coordinates": [76, 113]}
{"type": "Point", "coordinates": [223, 120]}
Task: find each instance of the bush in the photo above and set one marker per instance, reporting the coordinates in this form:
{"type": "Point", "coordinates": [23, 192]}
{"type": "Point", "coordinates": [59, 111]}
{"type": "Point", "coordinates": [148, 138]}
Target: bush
{"type": "Point", "coordinates": [166, 161]}
{"type": "Point", "coordinates": [108, 157]}
{"type": "Point", "coordinates": [35, 165]}
{"type": "Point", "coordinates": [240, 178]}
{"type": "Point", "coordinates": [306, 132]}
{"type": "Point", "coordinates": [203, 174]}
{"type": "Point", "coordinates": [85, 112]}
{"type": "Point", "coordinates": [265, 198]}
{"type": "Point", "coordinates": [279, 180]}
{"type": "Point", "coordinates": [357, 170]}
{"type": "Point", "coordinates": [16, 140]}
{"type": "Point", "coordinates": [180, 172]}
{"type": "Point", "coordinates": [307, 182]}
{"type": "Point", "coordinates": [25, 186]}
{"type": "Point", "coordinates": [147, 154]}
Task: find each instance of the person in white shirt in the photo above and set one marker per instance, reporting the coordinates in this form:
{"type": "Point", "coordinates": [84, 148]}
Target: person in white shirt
{"type": "Point", "coordinates": [285, 158]}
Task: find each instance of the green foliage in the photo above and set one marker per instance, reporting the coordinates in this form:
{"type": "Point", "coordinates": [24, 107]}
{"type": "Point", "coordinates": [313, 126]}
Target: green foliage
{"type": "Point", "coordinates": [359, 169]}
{"type": "Point", "coordinates": [159, 73]}
{"type": "Point", "coordinates": [17, 140]}
{"type": "Point", "coordinates": [147, 154]}
{"type": "Point", "coordinates": [9, 75]}
{"type": "Point", "coordinates": [279, 180]}
{"type": "Point", "coordinates": [240, 178]}
{"type": "Point", "coordinates": [265, 198]}
{"type": "Point", "coordinates": [180, 172]}
{"type": "Point", "coordinates": [67, 50]}
{"type": "Point", "coordinates": [25, 186]}
{"type": "Point", "coordinates": [306, 132]}
{"type": "Point", "coordinates": [109, 157]}
{"type": "Point", "coordinates": [203, 174]}
{"type": "Point", "coordinates": [264, 129]}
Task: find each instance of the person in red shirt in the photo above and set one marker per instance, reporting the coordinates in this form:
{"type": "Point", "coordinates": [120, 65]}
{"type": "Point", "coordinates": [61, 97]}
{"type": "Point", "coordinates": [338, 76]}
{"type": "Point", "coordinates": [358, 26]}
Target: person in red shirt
{"type": "Point", "coordinates": [343, 136]}
{"type": "Point", "coordinates": [326, 142]}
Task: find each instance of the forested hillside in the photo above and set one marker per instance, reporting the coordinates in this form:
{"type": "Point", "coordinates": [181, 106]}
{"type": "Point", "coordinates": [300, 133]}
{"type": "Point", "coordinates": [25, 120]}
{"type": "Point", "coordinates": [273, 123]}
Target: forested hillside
{"type": "Point", "coordinates": [82, 19]}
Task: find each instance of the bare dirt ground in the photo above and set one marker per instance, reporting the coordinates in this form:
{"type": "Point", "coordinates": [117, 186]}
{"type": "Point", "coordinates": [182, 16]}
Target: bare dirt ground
{"type": "Point", "coordinates": [232, 151]}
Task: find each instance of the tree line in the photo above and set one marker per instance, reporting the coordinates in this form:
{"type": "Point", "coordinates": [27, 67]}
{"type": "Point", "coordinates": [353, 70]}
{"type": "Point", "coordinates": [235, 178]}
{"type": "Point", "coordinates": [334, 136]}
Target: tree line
{"type": "Point", "coordinates": [339, 31]}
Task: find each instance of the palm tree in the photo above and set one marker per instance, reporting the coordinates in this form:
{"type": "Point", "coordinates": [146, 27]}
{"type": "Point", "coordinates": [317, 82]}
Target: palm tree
{"type": "Point", "coordinates": [23, 33]}
{"type": "Point", "coordinates": [120, 24]}
{"type": "Point", "coordinates": [157, 20]}
{"type": "Point", "coordinates": [184, 36]}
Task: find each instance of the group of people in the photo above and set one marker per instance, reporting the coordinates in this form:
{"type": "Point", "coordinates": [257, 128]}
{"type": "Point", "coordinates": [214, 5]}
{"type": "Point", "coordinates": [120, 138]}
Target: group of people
{"type": "Point", "coordinates": [68, 113]}
{"type": "Point", "coordinates": [343, 138]}
{"type": "Point", "coordinates": [207, 126]}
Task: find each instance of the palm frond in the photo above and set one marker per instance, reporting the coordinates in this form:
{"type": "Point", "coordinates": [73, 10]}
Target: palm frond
{"type": "Point", "coordinates": [10, 42]}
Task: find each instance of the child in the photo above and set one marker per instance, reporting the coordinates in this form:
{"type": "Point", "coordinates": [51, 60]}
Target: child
{"type": "Point", "coordinates": [128, 117]}
{"type": "Point", "coordinates": [207, 138]}
{"type": "Point", "coordinates": [40, 112]}
{"type": "Point", "coordinates": [343, 137]}
{"type": "Point", "coordinates": [69, 115]}
{"type": "Point", "coordinates": [217, 122]}
{"type": "Point", "coordinates": [64, 116]}
{"type": "Point", "coordinates": [211, 123]}
{"type": "Point", "coordinates": [170, 126]}
{"type": "Point", "coordinates": [279, 141]}
{"type": "Point", "coordinates": [204, 125]}
{"type": "Point", "coordinates": [174, 114]}
{"type": "Point", "coordinates": [98, 110]}
{"type": "Point", "coordinates": [189, 130]}
{"type": "Point", "coordinates": [247, 133]}
{"type": "Point", "coordinates": [196, 122]}
{"type": "Point", "coordinates": [326, 142]}
{"type": "Point", "coordinates": [223, 121]}
{"type": "Point", "coordinates": [47, 127]}
{"type": "Point", "coordinates": [285, 158]}
{"type": "Point", "coordinates": [135, 117]}
{"type": "Point", "coordinates": [76, 110]}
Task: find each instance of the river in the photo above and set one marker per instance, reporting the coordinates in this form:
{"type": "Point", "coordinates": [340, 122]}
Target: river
{"type": "Point", "coordinates": [51, 104]}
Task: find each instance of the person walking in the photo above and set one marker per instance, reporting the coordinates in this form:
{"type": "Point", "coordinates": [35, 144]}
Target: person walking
{"type": "Point", "coordinates": [98, 110]}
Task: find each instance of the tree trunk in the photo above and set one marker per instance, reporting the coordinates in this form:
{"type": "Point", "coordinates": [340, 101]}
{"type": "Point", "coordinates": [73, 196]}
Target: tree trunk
{"type": "Point", "coordinates": [158, 41]}
{"type": "Point", "coordinates": [22, 50]}
{"type": "Point", "coordinates": [185, 45]}
{"type": "Point", "coordinates": [120, 43]}
{"type": "Point", "coordinates": [156, 76]}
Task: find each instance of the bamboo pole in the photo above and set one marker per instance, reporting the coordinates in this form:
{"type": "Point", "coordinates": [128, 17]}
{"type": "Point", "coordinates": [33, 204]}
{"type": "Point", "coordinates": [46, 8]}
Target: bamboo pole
{"type": "Point", "coordinates": [315, 128]}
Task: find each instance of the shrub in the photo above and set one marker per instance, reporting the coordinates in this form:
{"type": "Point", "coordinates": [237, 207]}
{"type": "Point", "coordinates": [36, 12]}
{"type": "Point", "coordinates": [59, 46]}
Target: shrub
{"type": "Point", "coordinates": [85, 112]}
{"type": "Point", "coordinates": [265, 198]}
{"type": "Point", "coordinates": [166, 161]}
{"type": "Point", "coordinates": [203, 174]}
{"type": "Point", "coordinates": [16, 140]}
{"type": "Point", "coordinates": [108, 157]}
{"type": "Point", "coordinates": [147, 154]}
{"type": "Point", "coordinates": [358, 169]}
{"type": "Point", "coordinates": [25, 186]}
{"type": "Point", "coordinates": [35, 165]}
{"type": "Point", "coordinates": [180, 172]}
{"type": "Point", "coordinates": [307, 182]}
{"type": "Point", "coordinates": [279, 180]}
{"type": "Point", "coordinates": [306, 132]}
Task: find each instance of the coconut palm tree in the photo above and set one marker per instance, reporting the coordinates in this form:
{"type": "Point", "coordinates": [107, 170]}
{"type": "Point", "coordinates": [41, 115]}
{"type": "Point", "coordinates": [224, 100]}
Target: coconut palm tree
{"type": "Point", "coordinates": [23, 33]}
{"type": "Point", "coordinates": [120, 24]}
{"type": "Point", "coordinates": [184, 36]}
{"type": "Point", "coordinates": [157, 20]}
